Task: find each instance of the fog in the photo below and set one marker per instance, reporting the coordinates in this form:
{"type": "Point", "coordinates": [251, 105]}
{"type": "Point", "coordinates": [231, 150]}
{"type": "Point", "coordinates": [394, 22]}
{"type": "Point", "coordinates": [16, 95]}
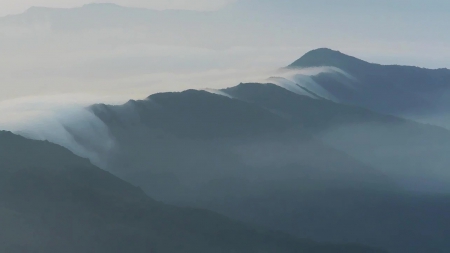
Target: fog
{"type": "Point", "coordinates": [414, 156]}
{"type": "Point", "coordinates": [63, 120]}
{"type": "Point", "coordinates": [129, 52]}
{"type": "Point", "coordinates": [79, 73]}
{"type": "Point", "coordinates": [73, 63]}
{"type": "Point", "coordinates": [300, 81]}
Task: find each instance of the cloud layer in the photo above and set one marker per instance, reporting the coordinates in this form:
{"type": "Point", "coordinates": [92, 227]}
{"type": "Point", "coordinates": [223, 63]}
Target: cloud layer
{"type": "Point", "coordinates": [63, 120]}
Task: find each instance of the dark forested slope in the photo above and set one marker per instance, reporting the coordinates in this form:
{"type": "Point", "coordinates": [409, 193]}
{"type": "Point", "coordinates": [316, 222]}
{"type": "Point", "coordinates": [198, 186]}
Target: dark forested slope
{"type": "Point", "coordinates": [53, 201]}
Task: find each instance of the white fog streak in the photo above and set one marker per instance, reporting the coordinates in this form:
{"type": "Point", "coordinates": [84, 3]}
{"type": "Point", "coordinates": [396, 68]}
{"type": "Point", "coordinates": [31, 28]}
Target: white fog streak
{"type": "Point", "coordinates": [301, 81]}
{"type": "Point", "coordinates": [63, 120]}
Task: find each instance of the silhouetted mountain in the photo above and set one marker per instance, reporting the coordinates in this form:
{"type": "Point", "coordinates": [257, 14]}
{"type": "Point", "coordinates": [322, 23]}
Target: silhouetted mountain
{"type": "Point", "coordinates": [330, 165]}
{"type": "Point", "coordinates": [213, 137]}
{"type": "Point", "coordinates": [326, 57]}
{"type": "Point", "coordinates": [92, 16]}
{"type": "Point", "coordinates": [197, 114]}
{"type": "Point", "coordinates": [193, 149]}
{"type": "Point", "coordinates": [400, 90]}
{"type": "Point", "coordinates": [413, 154]}
{"type": "Point", "coordinates": [53, 201]}
{"type": "Point", "coordinates": [183, 142]}
{"type": "Point", "coordinates": [166, 27]}
{"type": "Point", "coordinates": [314, 114]}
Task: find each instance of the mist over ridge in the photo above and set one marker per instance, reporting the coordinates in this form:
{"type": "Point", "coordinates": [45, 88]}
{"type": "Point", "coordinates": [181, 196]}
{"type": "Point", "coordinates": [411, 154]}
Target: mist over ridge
{"type": "Point", "coordinates": [76, 125]}
{"type": "Point", "coordinates": [137, 51]}
{"type": "Point", "coordinates": [263, 154]}
{"type": "Point", "coordinates": [61, 119]}
{"type": "Point", "coordinates": [214, 126]}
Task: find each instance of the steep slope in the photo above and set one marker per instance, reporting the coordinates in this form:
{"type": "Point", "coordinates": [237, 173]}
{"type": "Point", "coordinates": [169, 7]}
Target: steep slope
{"type": "Point", "coordinates": [400, 90]}
{"type": "Point", "coordinates": [326, 57]}
{"type": "Point", "coordinates": [313, 114]}
{"type": "Point", "coordinates": [194, 114]}
{"type": "Point", "coordinates": [214, 137]}
{"type": "Point", "coordinates": [414, 154]}
{"type": "Point", "coordinates": [192, 149]}
{"type": "Point", "coordinates": [53, 201]}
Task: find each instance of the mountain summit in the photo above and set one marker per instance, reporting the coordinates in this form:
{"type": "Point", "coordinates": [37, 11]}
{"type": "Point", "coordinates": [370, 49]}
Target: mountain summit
{"type": "Point", "coordinates": [389, 89]}
{"type": "Point", "coordinates": [327, 57]}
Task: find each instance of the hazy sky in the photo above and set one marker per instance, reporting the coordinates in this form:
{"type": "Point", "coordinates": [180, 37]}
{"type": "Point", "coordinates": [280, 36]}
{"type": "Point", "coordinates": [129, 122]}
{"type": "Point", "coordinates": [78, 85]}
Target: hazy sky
{"type": "Point", "coordinates": [17, 6]}
{"type": "Point", "coordinates": [118, 52]}
{"type": "Point", "coordinates": [53, 62]}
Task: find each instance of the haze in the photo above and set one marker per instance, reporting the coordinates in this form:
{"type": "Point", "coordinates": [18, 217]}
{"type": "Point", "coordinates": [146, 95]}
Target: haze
{"type": "Point", "coordinates": [213, 126]}
{"type": "Point", "coordinates": [130, 53]}
{"type": "Point", "coordinates": [15, 7]}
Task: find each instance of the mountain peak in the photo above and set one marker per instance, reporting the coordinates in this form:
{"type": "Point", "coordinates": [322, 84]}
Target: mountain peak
{"type": "Point", "coordinates": [37, 9]}
{"type": "Point", "coordinates": [34, 9]}
{"type": "Point", "coordinates": [102, 5]}
{"type": "Point", "coordinates": [326, 57]}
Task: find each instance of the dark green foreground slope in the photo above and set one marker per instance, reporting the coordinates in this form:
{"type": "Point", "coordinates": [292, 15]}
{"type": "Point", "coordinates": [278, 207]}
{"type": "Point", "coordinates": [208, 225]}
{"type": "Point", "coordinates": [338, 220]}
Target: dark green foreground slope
{"type": "Point", "coordinates": [53, 201]}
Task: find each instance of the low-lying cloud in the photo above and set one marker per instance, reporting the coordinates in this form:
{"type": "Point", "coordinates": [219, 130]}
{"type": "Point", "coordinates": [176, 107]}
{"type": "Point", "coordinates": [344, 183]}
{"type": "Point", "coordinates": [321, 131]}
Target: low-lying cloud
{"type": "Point", "coordinates": [37, 61]}
{"type": "Point", "coordinates": [63, 120]}
{"type": "Point", "coordinates": [301, 81]}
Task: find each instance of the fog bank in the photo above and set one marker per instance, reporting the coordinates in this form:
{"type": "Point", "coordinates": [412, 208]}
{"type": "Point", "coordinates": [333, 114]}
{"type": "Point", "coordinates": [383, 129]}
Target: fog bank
{"type": "Point", "coordinates": [63, 120]}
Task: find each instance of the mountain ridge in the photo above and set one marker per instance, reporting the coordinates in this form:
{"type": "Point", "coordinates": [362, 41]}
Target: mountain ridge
{"type": "Point", "coordinates": [404, 91]}
{"type": "Point", "coordinates": [282, 177]}
{"type": "Point", "coordinates": [54, 204]}
{"type": "Point", "coordinates": [322, 57]}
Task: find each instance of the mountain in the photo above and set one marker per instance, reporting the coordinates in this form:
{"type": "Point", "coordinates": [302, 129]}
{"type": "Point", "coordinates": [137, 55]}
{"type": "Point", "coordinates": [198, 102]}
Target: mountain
{"type": "Point", "coordinates": [54, 201]}
{"type": "Point", "coordinates": [214, 137]}
{"type": "Point", "coordinates": [314, 114]}
{"type": "Point", "coordinates": [411, 153]}
{"type": "Point", "coordinates": [327, 57]}
{"type": "Point", "coordinates": [174, 145]}
{"type": "Point", "coordinates": [196, 114]}
{"type": "Point", "coordinates": [100, 20]}
{"type": "Point", "coordinates": [268, 156]}
{"type": "Point", "coordinates": [104, 16]}
{"type": "Point", "coordinates": [405, 91]}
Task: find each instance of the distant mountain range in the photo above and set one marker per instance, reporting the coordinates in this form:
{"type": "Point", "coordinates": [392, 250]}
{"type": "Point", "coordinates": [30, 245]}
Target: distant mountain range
{"type": "Point", "coordinates": [328, 151]}
{"type": "Point", "coordinates": [412, 153]}
{"type": "Point", "coordinates": [253, 23]}
{"type": "Point", "coordinates": [331, 154]}
{"type": "Point", "coordinates": [274, 158]}
{"type": "Point", "coordinates": [168, 27]}
{"type": "Point", "coordinates": [417, 93]}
